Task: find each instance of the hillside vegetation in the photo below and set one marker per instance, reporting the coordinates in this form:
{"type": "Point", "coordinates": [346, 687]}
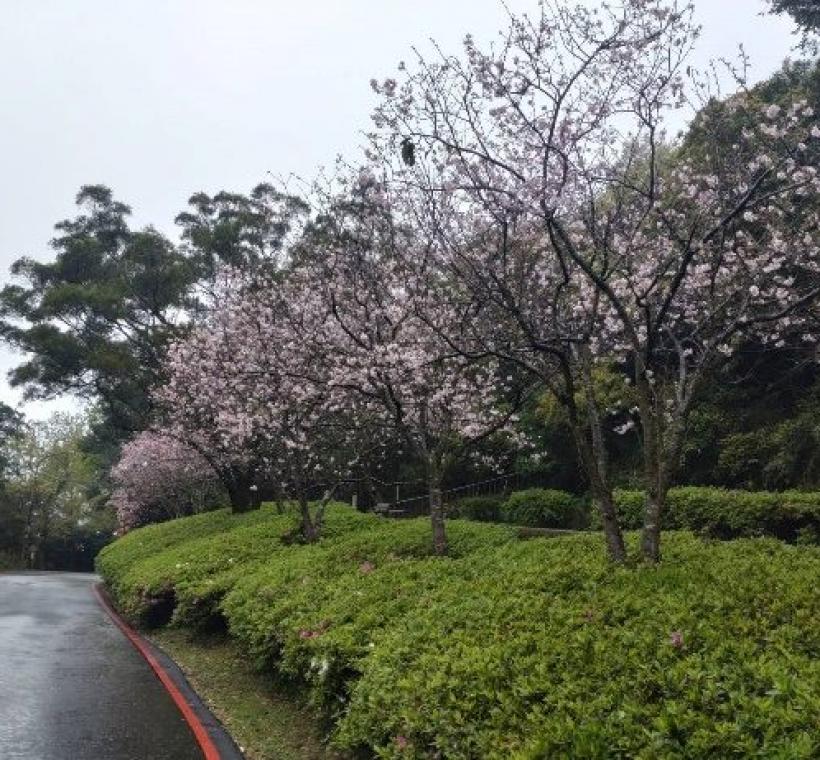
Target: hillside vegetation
{"type": "Point", "coordinates": [506, 648]}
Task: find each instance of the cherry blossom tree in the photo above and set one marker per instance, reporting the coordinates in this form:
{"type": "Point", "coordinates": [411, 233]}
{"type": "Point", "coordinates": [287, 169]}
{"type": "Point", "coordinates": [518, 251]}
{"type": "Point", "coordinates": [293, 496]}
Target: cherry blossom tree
{"type": "Point", "coordinates": [250, 390]}
{"type": "Point", "coordinates": [580, 235]}
{"type": "Point", "coordinates": [368, 268]}
{"type": "Point", "coordinates": [158, 478]}
{"type": "Point", "coordinates": [192, 403]}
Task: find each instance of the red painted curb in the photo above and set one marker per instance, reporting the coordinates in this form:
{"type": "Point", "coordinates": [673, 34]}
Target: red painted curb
{"type": "Point", "coordinates": [204, 740]}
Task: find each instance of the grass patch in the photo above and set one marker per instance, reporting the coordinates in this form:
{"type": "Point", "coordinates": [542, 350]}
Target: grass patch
{"type": "Point", "coordinates": [267, 721]}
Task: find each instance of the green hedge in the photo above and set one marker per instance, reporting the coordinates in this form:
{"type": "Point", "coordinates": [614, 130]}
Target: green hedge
{"type": "Point", "coordinates": [541, 649]}
{"type": "Point", "coordinates": [120, 557]}
{"type": "Point", "coordinates": [505, 649]}
{"type": "Point", "coordinates": [544, 508]}
{"type": "Point", "coordinates": [533, 507]}
{"type": "Point", "coordinates": [165, 569]}
{"type": "Point", "coordinates": [792, 515]}
{"type": "Point", "coordinates": [481, 508]}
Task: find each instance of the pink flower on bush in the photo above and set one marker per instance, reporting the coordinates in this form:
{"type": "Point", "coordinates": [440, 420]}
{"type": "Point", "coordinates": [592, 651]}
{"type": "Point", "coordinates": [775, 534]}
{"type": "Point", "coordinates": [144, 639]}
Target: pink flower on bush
{"type": "Point", "coordinates": [676, 639]}
{"type": "Point", "coordinates": [401, 742]}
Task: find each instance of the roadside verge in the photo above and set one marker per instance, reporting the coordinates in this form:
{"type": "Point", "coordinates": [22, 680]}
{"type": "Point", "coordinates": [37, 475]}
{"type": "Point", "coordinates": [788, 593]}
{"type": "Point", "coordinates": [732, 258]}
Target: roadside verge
{"type": "Point", "coordinates": [210, 734]}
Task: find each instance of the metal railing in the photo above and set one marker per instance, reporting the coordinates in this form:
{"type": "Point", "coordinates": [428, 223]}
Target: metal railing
{"type": "Point", "coordinates": [417, 505]}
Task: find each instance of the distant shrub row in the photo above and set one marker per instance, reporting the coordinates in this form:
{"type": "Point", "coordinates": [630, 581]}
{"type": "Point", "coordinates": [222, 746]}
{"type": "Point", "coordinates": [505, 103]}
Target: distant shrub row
{"type": "Point", "coordinates": [792, 515]}
{"type": "Point", "coordinates": [534, 507]}
{"type": "Point", "coordinates": [506, 649]}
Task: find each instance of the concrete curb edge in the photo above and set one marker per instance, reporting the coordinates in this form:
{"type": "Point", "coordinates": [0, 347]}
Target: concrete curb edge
{"type": "Point", "coordinates": [215, 742]}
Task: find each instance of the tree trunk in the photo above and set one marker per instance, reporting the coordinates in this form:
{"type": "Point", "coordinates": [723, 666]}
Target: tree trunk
{"type": "Point", "coordinates": [612, 529]}
{"type": "Point", "coordinates": [310, 529]}
{"type": "Point", "coordinates": [593, 456]}
{"type": "Point", "coordinates": [436, 511]}
{"type": "Point", "coordinates": [240, 496]}
{"type": "Point", "coordinates": [651, 536]}
{"type": "Point", "coordinates": [655, 498]}
{"type": "Point", "coordinates": [651, 424]}
{"type": "Point", "coordinates": [243, 498]}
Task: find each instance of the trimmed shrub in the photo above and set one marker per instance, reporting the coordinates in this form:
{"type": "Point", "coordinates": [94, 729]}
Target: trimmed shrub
{"type": "Point", "coordinates": [121, 556]}
{"type": "Point", "coordinates": [729, 514]}
{"type": "Point", "coordinates": [188, 578]}
{"type": "Point", "coordinates": [630, 506]}
{"type": "Point", "coordinates": [261, 606]}
{"type": "Point", "coordinates": [481, 508]}
{"type": "Point", "coordinates": [544, 508]}
{"type": "Point", "coordinates": [721, 513]}
{"type": "Point", "coordinates": [510, 649]}
{"type": "Point", "coordinates": [545, 650]}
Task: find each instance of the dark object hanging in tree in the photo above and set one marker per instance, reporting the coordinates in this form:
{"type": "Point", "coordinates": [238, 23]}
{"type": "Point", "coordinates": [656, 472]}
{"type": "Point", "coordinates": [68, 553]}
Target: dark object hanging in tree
{"type": "Point", "coordinates": [408, 151]}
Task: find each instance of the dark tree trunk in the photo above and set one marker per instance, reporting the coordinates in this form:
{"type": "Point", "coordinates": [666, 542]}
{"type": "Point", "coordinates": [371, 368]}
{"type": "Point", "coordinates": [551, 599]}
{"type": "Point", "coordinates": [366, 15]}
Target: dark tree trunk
{"type": "Point", "coordinates": [612, 529]}
{"type": "Point", "coordinates": [309, 528]}
{"type": "Point", "coordinates": [437, 511]}
{"type": "Point", "coordinates": [651, 536]}
{"type": "Point", "coordinates": [655, 485]}
{"type": "Point", "coordinates": [592, 453]}
{"type": "Point", "coordinates": [243, 498]}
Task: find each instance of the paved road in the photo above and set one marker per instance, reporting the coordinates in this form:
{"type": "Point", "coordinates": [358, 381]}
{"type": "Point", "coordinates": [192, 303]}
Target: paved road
{"type": "Point", "coordinates": [71, 685]}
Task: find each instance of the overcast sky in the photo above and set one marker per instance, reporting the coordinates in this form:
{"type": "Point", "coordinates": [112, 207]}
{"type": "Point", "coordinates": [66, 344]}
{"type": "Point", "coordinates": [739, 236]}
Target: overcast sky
{"type": "Point", "coordinates": [161, 98]}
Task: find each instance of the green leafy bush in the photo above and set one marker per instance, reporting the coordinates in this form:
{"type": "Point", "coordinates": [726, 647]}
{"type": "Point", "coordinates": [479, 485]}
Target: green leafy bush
{"type": "Point", "coordinates": [261, 606]}
{"type": "Point", "coordinates": [553, 653]}
{"type": "Point", "coordinates": [509, 649]}
{"type": "Point", "coordinates": [187, 578]}
{"type": "Point", "coordinates": [481, 508]}
{"type": "Point", "coordinates": [121, 556]}
{"type": "Point", "coordinates": [630, 506]}
{"type": "Point", "coordinates": [727, 514]}
{"type": "Point", "coordinates": [721, 513]}
{"type": "Point", "coordinates": [544, 508]}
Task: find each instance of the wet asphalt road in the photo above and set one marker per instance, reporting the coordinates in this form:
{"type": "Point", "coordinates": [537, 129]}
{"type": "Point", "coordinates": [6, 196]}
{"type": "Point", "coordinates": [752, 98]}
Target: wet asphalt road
{"type": "Point", "coordinates": [71, 685]}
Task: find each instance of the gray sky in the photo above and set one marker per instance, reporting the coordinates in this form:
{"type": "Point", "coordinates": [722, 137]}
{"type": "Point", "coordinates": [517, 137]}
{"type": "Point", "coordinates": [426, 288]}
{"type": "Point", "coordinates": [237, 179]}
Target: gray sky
{"type": "Point", "coordinates": [161, 98]}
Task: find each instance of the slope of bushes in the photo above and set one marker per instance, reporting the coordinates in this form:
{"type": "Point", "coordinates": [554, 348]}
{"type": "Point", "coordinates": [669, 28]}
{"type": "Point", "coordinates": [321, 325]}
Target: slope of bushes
{"type": "Point", "coordinates": [189, 563]}
{"type": "Point", "coordinates": [506, 649]}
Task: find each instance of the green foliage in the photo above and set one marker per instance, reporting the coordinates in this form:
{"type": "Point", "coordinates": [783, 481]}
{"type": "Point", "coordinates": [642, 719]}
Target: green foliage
{"type": "Point", "coordinates": [630, 506]}
{"type": "Point", "coordinates": [96, 319]}
{"type": "Point", "coordinates": [721, 513]}
{"type": "Point", "coordinates": [46, 520]}
{"type": "Point", "coordinates": [533, 507]}
{"type": "Point", "coordinates": [805, 13]}
{"type": "Point", "coordinates": [243, 231]}
{"type": "Point", "coordinates": [197, 574]}
{"type": "Point", "coordinates": [127, 552]}
{"type": "Point", "coordinates": [482, 508]}
{"type": "Point", "coordinates": [547, 651]}
{"type": "Point", "coordinates": [544, 508]}
{"type": "Point", "coordinates": [508, 649]}
{"type": "Point", "coordinates": [281, 611]}
{"type": "Point", "coordinates": [11, 429]}
{"type": "Point", "coordinates": [775, 456]}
